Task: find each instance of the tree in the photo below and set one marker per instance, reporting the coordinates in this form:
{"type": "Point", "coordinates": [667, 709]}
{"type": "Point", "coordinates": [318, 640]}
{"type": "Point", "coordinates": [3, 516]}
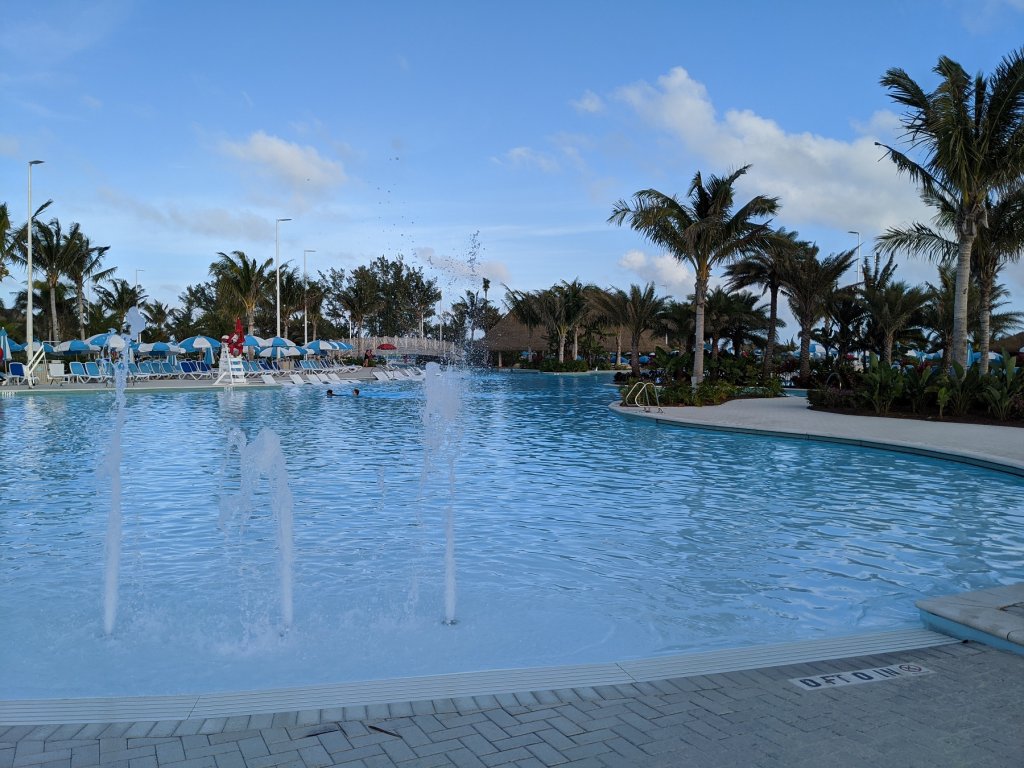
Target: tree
{"type": "Point", "coordinates": [764, 267]}
{"type": "Point", "coordinates": [52, 255]}
{"type": "Point", "coordinates": [117, 297]}
{"type": "Point", "coordinates": [158, 318]}
{"type": "Point", "coordinates": [894, 307]}
{"type": "Point", "coordinates": [637, 312]}
{"type": "Point", "coordinates": [995, 246]}
{"type": "Point", "coordinates": [704, 231]}
{"type": "Point", "coordinates": [808, 283]}
{"type": "Point", "coordinates": [242, 283]}
{"type": "Point", "coordinates": [971, 134]}
{"type": "Point", "coordinates": [86, 264]}
{"type": "Point", "coordinates": [292, 295]}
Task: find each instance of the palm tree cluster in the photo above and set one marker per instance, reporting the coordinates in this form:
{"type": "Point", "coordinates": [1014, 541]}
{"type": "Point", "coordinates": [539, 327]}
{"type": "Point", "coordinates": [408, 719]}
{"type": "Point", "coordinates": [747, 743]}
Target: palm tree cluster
{"type": "Point", "coordinates": [967, 156]}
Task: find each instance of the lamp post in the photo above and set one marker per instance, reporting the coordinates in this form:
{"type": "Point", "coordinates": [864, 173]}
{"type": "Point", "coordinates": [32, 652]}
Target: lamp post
{"type": "Point", "coordinates": [137, 283]}
{"type": "Point", "coordinates": [277, 264]}
{"type": "Point", "coordinates": [30, 309]}
{"type": "Point", "coordinates": [860, 266]}
{"type": "Point", "coordinates": [305, 299]}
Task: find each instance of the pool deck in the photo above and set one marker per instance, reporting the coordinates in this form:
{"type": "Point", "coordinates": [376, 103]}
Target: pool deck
{"type": "Point", "coordinates": [921, 699]}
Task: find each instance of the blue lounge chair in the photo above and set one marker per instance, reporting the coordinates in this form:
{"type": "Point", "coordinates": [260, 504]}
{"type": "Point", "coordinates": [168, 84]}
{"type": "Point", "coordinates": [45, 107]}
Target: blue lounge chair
{"type": "Point", "coordinates": [16, 374]}
{"type": "Point", "coordinates": [93, 373]}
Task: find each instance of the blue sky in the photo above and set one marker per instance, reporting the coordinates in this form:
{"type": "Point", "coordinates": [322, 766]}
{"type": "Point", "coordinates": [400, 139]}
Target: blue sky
{"type": "Point", "coordinates": [172, 131]}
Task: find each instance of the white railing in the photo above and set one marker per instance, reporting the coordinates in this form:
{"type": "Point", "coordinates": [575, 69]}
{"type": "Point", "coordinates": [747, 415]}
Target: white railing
{"type": "Point", "coordinates": [37, 359]}
{"type": "Point", "coordinates": [405, 345]}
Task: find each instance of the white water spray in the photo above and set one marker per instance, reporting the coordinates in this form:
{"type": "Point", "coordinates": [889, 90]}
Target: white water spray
{"type": "Point", "coordinates": [263, 458]}
{"type": "Point", "coordinates": [441, 441]}
{"type": "Point", "coordinates": [110, 468]}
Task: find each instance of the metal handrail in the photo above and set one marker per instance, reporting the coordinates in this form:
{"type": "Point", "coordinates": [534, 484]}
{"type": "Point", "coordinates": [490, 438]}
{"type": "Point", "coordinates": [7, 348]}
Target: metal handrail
{"type": "Point", "coordinates": [39, 356]}
{"type": "Point", "coordinates": [642, 390]}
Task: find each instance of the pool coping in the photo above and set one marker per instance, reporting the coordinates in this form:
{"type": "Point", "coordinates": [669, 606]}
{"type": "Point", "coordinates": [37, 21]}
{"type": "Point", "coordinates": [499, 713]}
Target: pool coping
{"type": "Point", "coordinates": [843, 432]}
{"type": "Point", "coordinates": [489, 682]}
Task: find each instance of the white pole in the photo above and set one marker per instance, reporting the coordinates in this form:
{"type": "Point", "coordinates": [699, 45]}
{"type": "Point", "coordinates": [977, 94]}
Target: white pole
{"type": "Point", "coordinates": [305, 300]}
{"type": "Point", "coordinates": [30, 309]}
{"type": "Point", "coordinates": [860, 265]}
{"type": "Point", "coordinates": [277, 267]}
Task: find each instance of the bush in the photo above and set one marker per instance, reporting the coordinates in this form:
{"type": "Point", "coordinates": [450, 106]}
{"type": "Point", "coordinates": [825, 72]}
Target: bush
{"type": "Point", "coordinates": [882, 384]}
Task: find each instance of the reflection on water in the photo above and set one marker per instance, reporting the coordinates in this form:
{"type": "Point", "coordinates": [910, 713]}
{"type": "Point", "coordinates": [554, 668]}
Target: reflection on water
{"type": "Point", "coordinates": [581, 537]}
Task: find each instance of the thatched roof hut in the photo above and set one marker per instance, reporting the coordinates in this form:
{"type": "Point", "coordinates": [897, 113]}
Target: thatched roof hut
{"type": "Point", "coordinates": [1012, 344]}
{"type": "Point", "coordinates": [510, 336]}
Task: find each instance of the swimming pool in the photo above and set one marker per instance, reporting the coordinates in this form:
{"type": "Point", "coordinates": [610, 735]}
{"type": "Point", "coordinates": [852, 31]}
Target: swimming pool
{"type": "Point", "coordinates": [580, 537]}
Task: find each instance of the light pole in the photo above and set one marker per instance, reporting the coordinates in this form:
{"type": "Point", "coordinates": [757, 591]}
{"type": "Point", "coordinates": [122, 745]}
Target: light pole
{"type": "Point", "coordinates": [860, 266]}
{"type": "Point", "coordinates": [30, 309]}
{"type": "Point", "coordinates": [305, 299]}
{"type": "Point", "coordinates": [277, 264]}
{"type": "Point", "coordinates": [137, 283]}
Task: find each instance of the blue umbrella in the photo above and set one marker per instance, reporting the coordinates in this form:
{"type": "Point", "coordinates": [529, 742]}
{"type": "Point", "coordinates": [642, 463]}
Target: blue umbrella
{"type": "Point", "coordinates": [5, 345]}
{"type": "Point", "coordinates": [344, 346]}
{"type": "Point", "coordinates": [277, 341]}
{"type": "Point", "coordinates": [320, 346]}
{"type": "Point", "coordinates": [75, 347]}
{"type": "Point", "coordinates": [195, 343]}
{"type": "Point", "coordinates": [160, 348]}
{"type": "Point", "coordinates": [111, 339]}
{"type": "Point", "coordinates": [253, 341]}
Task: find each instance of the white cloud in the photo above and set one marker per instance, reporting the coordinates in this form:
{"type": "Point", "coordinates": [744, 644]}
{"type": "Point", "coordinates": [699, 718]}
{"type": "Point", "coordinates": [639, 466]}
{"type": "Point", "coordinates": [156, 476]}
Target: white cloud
{"type": "Point", "coordinates": [820, 181]}
{"type": "Point", "coordinates": [669, 275]}
{"type": "Point", "coordinates": [302, 168]}
{"type": "Point", "coordinates": [525, 157]}
{"type": "Point", "coordinates": [589, 102]}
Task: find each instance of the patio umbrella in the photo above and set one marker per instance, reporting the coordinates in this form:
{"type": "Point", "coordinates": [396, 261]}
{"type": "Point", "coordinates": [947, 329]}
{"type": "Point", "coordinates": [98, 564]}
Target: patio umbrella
{"type": "Point", "coordinates": [5, 346]}
{"type": "Point", "coordinates": [343, 346]}
{"type": "Point", "coordinates": [196, 343]}
{"type": "Point", "coordinates": [75, 347]}
{"type": "Point", "coordinates": [387, 346]}
{"type": "Point", "coordinates": [279, 352]}
{"type": "Point", "coordinates": [255, 342]}
{"type": "Point", "coordinates": [160, 348]}
{"type": "Point", "coordinates": [109, 340]}
{"type": "Point", "coordinates": [277, 341]}
{"type": "Point", "coordinates": [321, 346]}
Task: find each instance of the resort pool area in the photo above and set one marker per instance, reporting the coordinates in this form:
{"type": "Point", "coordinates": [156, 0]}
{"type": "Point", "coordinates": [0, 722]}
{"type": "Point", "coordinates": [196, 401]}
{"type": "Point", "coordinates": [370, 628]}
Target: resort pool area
{"type": "Point", "coordinates": [581, 537]}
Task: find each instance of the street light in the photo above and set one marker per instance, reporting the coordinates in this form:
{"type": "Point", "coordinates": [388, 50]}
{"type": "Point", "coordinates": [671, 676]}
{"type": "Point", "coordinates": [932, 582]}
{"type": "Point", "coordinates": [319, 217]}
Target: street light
{"type": "Point", "coordinates": [305, 299]}
{"type": "Point", "coordinates": [277, 264]}
{"type": "Point", "coordinates": [31, 309]}
{"type": "Point", "coordinates": [137, 282]}
{"type": "Point", "coordinates": [860, 266]}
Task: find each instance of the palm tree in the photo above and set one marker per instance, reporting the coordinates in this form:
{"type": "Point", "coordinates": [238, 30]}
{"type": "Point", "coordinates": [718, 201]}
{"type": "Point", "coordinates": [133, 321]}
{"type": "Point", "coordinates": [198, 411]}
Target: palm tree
{"type": "Point", "coordinates": [808, 284]}
{"type": "Point", "coordinates": [158, 316]}
{"type": "Point", "coordinates": [52, 255]}
{"type": "Point", "coordinates": [637, 312]}
{"type": "Point", "coordinates": [242, 283]}
{"type": "Point", "coordinates": [763, 267]}
{"type": "Point", "coordinates": [995, 246]}
{"type": "Point", "coordinates": [704, 231]}
{"type": "Point", "coordinates": [119, 296]}
{"type": "Point", "coordinates": [5, 239]}
{"type": "Point", "coordinates": [85, 264]}
{"type": "Point", "coordinates": [292, 295]}
{"type": "Point", "coordinates": [894, 308]}
{"type": "Point", "coordinates": [971, 132]}
{"type": "Point", "coordinates": [360, 297]}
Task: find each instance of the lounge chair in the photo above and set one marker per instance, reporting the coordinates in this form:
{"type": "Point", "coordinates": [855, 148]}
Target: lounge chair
{"type": "Point", "coordinates": [16, 374]}
{"type": "Point", "coordinates": [270, 380]}
{"type": "Point", "coordinates": [55, 373]}
{"type": "Point", "coordinates": [135, 372]}
{"type": "Point", "coordinates": [296, 379]}
{"type": "Point", "coordinates": [93, 373]}
{"type": "Point", "coordinates": [77, 372]}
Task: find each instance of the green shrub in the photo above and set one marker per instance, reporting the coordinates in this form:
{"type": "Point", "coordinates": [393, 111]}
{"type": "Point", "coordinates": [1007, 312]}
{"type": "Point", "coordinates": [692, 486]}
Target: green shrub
{"type": "Point", "coordinates": [880, 386]}
{"type": "Point", "coordinates": [833, 398]}
{"type": "Point", "coordinates": [1002, 388]}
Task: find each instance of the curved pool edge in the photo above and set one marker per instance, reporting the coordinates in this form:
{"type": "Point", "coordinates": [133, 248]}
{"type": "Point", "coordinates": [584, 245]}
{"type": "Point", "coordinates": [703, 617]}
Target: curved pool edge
{"type": "Point", "coordinates": [368, 693]}
{"type": "Point", "coordinates": [790, 418]}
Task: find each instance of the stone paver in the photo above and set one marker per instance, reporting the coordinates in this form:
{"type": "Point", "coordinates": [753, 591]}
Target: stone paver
{"type": "Point", "coordinates": [967, 712]}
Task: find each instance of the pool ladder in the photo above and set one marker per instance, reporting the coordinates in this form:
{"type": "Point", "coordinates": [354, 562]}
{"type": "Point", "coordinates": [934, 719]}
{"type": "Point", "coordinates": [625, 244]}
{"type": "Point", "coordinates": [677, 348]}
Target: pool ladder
{"type": "Point", "coordinates": [640, 395]}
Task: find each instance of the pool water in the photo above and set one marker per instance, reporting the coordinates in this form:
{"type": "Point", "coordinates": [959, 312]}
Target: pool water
{"type": "Point", "coordinates": [581, 537]}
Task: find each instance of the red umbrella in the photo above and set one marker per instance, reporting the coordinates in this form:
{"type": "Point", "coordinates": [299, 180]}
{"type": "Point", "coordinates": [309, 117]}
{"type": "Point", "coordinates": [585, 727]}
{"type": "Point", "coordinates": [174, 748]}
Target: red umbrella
{"type": "Point", "coordinates": [387, 346]}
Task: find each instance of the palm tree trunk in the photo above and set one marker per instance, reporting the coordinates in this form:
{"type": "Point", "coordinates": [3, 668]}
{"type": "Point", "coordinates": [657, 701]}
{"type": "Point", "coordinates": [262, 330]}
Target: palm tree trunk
{"type": "Point", "coordinates": [575, 343]}
{"type": "Point", "coordinates": [634, 358]}
{"type": "Point", "coordinates": [562, 335]}
{"type": "Point", "coordinates": [700, 294]}
{"type": "Point", "coordinates": [963, 281]}
{"type": "Point", "coordinates": [55, 331]}
{"type": "Point", "coordinates": [985, 320]}
{"type": "Point", "coordinates": [618, 346]}
{"type": "Point", "coordinates": [805, 355]}
{"type": "Point", "coordinates": [890, 339]}
{"type": "Point", "coordinates": [773, 319]}
{"type": "Point", "coordinates": [79, 289]}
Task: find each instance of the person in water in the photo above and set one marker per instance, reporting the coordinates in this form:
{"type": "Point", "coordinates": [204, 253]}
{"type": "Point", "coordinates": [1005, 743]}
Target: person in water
{"type": "Point", "coordinates": [355, 392]}
{"type": "Point", "coordinates": [330, 393]}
